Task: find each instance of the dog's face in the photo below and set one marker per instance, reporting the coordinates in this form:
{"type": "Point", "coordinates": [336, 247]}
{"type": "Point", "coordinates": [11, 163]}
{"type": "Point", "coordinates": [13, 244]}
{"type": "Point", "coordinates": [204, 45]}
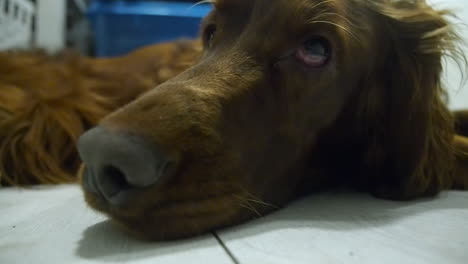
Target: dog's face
{"type": "Point", "coordinates": [238, 125]}
{"type": "Point", "coordinates": [229, 139]}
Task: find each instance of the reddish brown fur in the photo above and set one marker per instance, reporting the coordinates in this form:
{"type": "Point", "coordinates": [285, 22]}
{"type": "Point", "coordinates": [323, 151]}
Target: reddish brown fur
{"type": "Point", "coordinates": [47, 102]}
{"type": "Point", "coordinates": [252, 128]}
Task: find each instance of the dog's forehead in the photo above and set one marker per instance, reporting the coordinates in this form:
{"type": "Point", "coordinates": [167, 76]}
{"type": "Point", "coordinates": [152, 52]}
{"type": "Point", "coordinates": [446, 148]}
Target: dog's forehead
{"type": "Point", "coordinates": [290, 13]}
{"type": "Point", "coordinates": [284, 6]}
{"type": "Point", "coordinates": [268, 26]}
{"type": "Point", "coordinates": [286, 16]}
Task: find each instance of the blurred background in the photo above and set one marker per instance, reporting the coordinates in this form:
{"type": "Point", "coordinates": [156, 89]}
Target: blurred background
{"type": "Point", "coordinates": [97, 27]}
{"type": "Point", "coordinates": [105, 28]}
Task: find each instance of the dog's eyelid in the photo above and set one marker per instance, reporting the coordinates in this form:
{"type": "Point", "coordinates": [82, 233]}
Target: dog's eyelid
{"type": "Point", "coordinates": [314, 52]}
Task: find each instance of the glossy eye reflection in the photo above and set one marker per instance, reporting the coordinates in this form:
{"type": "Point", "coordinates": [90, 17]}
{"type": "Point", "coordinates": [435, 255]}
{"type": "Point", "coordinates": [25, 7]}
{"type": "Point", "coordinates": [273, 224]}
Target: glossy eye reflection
{"type": "Point", "coordinates": [314, 52]}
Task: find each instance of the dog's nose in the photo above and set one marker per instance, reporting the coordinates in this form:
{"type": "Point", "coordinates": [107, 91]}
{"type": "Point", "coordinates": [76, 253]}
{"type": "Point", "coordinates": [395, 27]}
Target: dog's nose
{"type": "Point", "coordinates": [117, 163]}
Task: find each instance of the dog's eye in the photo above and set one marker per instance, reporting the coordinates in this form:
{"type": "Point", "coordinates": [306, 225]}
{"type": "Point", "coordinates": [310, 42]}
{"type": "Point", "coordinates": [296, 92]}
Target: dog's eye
{"type": "Point", "coordinates": [314, 52]}
{"type": "Point", "coordinates": [208, 35]}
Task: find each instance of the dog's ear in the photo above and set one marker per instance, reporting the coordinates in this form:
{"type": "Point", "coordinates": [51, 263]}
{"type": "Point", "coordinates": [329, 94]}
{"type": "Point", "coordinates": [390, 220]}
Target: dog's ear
{"type": "Point", "coordinates": [408, 129]}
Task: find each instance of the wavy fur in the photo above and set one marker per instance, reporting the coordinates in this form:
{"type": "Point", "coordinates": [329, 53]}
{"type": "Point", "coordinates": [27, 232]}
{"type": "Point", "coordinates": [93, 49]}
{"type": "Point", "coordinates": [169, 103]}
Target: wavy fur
{"type": "Point", "coordinates": [47, 102]}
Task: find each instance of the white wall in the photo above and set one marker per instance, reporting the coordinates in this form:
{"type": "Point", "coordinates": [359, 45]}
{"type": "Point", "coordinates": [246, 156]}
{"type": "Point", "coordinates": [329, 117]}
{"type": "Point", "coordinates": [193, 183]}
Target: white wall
{"type": "Point", "coordinates": [50, 24]}
{"type": "Point", "coordinates": [457, 89]}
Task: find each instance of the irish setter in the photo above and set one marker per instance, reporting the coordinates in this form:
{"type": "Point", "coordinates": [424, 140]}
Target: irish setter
{"type": "Point", "coordinates": [278, 99]}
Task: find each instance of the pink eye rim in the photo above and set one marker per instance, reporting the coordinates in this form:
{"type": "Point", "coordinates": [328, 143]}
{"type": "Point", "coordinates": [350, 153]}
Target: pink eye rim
{"type": "Point", "coordinates": [315, 52]}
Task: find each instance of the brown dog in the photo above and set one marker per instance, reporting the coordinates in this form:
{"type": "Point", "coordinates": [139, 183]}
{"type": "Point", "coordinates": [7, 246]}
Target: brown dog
{"type": "Point", "coordinates": [287, 97]}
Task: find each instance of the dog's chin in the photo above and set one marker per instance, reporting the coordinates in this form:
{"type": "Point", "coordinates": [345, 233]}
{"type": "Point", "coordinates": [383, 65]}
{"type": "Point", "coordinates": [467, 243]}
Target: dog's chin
{"type": "Point", "coordinates": [170, 221]}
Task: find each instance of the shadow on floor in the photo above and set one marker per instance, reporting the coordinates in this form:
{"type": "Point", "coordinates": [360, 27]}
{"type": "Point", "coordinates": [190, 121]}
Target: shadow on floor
{"type": "Point", "coordinates": [337, 211]}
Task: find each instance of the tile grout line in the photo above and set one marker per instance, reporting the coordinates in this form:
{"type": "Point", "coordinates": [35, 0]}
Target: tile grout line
{"type": "Point", "coordinates": [225, 248]}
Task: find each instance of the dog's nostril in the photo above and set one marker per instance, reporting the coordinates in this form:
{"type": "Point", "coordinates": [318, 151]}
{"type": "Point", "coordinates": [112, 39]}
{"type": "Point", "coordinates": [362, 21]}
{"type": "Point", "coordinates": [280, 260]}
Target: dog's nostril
{"type": "Point", "coordinates": [116, 177]}
{"type": "Point", "coordinates": [119, 163]}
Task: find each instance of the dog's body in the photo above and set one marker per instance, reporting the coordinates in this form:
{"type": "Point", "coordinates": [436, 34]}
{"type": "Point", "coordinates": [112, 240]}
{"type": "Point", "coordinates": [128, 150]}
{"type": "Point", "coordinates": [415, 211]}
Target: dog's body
{"type": "Point", "coordinates": [341, 92]}
{"type": "Point", "coordinates": [47, 102]}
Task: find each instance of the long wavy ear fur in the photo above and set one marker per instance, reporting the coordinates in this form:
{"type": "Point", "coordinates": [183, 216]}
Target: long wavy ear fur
{"type": "Point", "coordinates": [408, 127]}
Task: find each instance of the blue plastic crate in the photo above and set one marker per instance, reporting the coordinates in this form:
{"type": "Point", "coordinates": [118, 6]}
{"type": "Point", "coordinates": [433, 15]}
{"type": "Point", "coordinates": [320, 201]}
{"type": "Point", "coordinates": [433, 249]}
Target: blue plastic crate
{"type": "Point", "coordinates": [122, 26]}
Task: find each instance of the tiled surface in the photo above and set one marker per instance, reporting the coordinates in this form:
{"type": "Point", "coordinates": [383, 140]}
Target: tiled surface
{"type": "Point", "coordinates": [355, 228]}
{"type": "Point", "coordinates": [53, 225]}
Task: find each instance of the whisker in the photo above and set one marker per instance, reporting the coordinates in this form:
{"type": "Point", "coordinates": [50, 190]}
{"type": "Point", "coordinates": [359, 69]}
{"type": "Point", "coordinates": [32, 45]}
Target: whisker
{"type": "Point", "coordinates": [262, 203]}
{"type": "Point", "coordinates": [245, 204]}
{"type": "Point", "coordinates": [252, 198]}
{"type": "Point", "coordinates": [325, 14]}
{"type": "Point", "coordinates": [202, 2]}
{"type": "Point", "coordinates": [322, 3]}
{"type": "Point", "coordinates": [307, 3]}
{"type": "Point", "coordinates": [253, 208]}
{"type": "Point", "coordinates": [250, 209]}
{"type": "Point", "coordinates": [336, 25]}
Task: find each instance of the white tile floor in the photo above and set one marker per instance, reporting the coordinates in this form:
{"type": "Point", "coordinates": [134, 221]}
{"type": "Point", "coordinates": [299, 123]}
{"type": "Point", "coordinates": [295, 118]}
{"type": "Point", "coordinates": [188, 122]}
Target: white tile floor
{"type": "Point", "coordinates": [53, 225]}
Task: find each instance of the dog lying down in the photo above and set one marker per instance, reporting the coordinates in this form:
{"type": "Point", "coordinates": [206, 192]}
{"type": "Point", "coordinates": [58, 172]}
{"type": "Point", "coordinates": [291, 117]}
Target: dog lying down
{"type": "Point", "coordinates": [280, 98]}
